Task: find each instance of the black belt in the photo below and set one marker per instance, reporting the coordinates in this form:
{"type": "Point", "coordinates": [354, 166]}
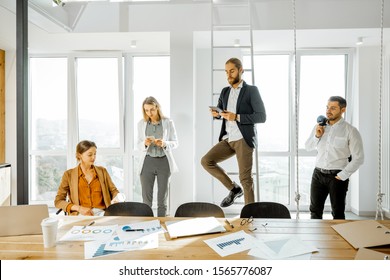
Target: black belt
{"type": "Point", "coordinates": [328, 172]}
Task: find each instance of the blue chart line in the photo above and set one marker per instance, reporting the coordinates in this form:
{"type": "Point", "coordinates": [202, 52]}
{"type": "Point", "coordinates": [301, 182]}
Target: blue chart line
{"type": "Point", "coordinates": [228, 243]}
{"type": "Point", "coordinates": [101, 252]}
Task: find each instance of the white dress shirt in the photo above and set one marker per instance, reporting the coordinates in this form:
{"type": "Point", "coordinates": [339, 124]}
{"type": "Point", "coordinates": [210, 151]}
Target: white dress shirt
{"type": "Point", "coordinates": [338, 142]}
{"type": "Point", "coordinates": [233, 132]}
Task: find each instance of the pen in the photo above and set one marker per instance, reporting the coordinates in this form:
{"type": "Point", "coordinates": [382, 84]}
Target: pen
{"type": "Point", "coordinates": [90, 224]}
{"type": "Point", "coordinates": [231, 225]}
{"type": "Point", "coordinates": [134, 229]}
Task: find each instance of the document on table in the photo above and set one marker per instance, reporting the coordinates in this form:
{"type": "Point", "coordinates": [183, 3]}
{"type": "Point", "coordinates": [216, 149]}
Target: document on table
{"type": "Point", "coordinates": [89, 233]}
{"type": "Point", "coordinates": [281, 248]}
{"type": "Point", "coordinates": [136, 230]}
{"type": "Point", "coordinates": [232, 243]}
{"type": "Point", "coordinates": [194, 226]}
{"type": "Point", "coordinates": [365, 233]}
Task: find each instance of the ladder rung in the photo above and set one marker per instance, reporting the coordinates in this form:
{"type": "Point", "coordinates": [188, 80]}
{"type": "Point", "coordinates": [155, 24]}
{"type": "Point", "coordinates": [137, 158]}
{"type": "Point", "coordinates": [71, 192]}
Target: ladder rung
{"type": "Point", "coordinates": [231, 47]}
{"type": "Point", "coordinates": [223, 70]}
{"type": "Point", "coordinates": [225, 26]}
{"type": "Point", "coordinates": [217, 5]}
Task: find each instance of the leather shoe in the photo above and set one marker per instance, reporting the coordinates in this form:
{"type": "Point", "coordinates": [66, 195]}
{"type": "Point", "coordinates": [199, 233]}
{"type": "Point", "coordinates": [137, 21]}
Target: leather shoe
{"type": "Point", "coordinates": [231, 197]}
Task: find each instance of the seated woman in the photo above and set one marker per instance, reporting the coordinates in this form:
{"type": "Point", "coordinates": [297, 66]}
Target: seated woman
{"type": "Point", "coordinates": [86, 188]}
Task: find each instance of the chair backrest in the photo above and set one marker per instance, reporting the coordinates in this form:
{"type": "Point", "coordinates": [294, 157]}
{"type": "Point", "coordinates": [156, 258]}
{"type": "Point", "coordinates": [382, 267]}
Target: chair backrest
{"type": "Point", "coordinates": [199, 209]}
{"type": "Point", "coordinates": [130, 208]}
{"type": "Point", "coordinates": [265, 210]}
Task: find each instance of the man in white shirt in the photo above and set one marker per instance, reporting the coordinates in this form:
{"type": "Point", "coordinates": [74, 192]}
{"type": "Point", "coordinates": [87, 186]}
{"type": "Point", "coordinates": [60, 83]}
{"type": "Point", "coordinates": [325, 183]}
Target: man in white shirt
{"type": "Point", "coordinates": [241, 107]}
{"type": "Point", "coordinates": [340, 154]}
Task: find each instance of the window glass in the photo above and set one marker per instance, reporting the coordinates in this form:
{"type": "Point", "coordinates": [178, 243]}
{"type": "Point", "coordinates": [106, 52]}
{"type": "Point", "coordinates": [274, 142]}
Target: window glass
{"type": "Point", "coordinates": [321, 77]}
{"type": "Point", "coordinates": [49, 91]}
{"type": "Point", "coordinates": [98, 101]}
{"type": "Point", "coordinates": [272, 80]}
{"type": "Point", "coordinates": [46, 174]}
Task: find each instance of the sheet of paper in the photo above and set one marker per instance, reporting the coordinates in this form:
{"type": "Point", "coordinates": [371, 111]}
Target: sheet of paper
{"type": "Point", "coordinates": [94, 249]}
{"type": "Point", "coordinates": [364, 233]}
{"type": "Point", "coordinates": [368, 254]}
{"type": "Point", "coordinates": [78, 233]}
{"type": "Point", "coordinates": [142, 243]}
{"type": "Point", "coordinates": [194, 226]}
{"type": "Point", "coordinates": [146, 228]}
{"type": "Point", "coordinates": [232, 243]}
{"type": "Point", "coordinates": [281, 248]}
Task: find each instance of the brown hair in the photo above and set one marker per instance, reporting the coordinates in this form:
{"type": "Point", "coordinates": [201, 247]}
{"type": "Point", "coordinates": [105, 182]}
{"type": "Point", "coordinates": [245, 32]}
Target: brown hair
{"type": "Point", "coordinates": [342, 102]}
{"type": "Point", "coordinates": [84, 146]}
{"type": "Point", "coordinates": [152, 101]}
{"type": "Point", "coordinates": [236, 63]}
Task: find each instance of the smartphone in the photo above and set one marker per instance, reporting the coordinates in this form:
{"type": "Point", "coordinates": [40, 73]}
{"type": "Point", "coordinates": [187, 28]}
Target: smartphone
{"type": "Point", "coordinates": [215, 108]}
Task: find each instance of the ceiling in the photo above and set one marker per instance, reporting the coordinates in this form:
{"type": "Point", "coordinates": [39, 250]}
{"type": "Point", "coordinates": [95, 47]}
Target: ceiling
{"type": "Point", "coordinates": [111, 26]}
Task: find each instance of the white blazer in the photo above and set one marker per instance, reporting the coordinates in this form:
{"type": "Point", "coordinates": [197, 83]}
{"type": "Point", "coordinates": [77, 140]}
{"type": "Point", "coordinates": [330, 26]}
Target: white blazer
{"type": "Point", "coordinates": [169, 137]}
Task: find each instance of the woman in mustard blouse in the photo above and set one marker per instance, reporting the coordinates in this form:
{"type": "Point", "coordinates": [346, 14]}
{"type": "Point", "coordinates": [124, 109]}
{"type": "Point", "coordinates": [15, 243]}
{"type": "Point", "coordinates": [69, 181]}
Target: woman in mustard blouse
{"type": "Point", "coordinates": [87, 188]}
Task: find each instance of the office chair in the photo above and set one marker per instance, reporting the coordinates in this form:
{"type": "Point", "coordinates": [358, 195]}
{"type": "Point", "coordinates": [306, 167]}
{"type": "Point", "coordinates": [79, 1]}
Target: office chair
{"type": "Point", "coordinates": [129, 209]}
{"type": "Point", "coordinates": [199, 209]}
{"type": "Point", "coordinates": [265, 210]}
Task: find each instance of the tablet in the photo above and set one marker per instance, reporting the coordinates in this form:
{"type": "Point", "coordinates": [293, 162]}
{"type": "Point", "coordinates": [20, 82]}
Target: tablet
{"type": "Point", "coordinates": [215, 108]}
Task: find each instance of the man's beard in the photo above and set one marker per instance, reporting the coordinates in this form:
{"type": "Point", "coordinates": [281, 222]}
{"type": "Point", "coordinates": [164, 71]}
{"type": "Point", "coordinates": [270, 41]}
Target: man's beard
{"type": "Point", "coordinates": [235, 80]}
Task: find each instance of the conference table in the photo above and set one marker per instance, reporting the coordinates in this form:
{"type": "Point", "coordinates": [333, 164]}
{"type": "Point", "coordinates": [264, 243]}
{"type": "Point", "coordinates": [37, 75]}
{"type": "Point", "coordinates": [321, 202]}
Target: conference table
{"type": "Point", "coordinates": [318, 233]}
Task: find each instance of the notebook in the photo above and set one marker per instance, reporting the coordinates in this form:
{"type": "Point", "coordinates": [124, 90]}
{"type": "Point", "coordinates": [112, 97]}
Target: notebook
{"type": "Point", "coordinates": [22, 219]}
{"type": "Point", "coordinates": [194, 226]}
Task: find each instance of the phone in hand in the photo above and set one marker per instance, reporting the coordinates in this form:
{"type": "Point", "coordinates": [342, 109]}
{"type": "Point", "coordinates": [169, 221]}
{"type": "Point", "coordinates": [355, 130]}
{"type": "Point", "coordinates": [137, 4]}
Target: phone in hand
{"type": "Point", "coordinates": [215, 108]}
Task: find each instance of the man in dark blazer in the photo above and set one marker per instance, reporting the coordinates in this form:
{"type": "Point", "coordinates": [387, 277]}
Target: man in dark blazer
{"type": "Point", "coordinates": [241, 107]}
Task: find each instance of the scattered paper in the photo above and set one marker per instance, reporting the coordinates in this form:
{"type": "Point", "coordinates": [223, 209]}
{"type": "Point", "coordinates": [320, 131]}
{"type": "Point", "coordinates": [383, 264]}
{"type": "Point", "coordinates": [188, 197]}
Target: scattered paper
{"type": "Point", "coordinates": [142, 229]}
{"type": "Point", "coordinates": [141, 243]}
{"type": "Point", "coordinates": [281, 248]}
{"type": "Point", "coordinates": [194, 226]}
{"type": "Point", "coordinates": [94, 249]}
{"type": "Point", "coordinates": [79, 233]}
{"type": "Point", "coordinates": [232, 243]}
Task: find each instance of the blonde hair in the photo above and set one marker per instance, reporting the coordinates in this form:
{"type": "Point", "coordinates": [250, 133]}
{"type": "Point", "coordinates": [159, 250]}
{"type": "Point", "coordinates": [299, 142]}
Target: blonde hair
{"type": "Point", "coordinates": [152, 101]}
{"type": "Point", "coordinates": [84, 146]}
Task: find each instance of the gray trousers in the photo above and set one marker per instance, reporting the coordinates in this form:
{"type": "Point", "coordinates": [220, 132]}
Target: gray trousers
{"type": "Point", "coordinates": [156, 167]}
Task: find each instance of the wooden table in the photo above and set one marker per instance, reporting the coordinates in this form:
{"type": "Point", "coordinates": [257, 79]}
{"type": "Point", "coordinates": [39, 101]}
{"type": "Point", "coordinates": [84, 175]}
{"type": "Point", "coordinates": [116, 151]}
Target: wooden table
{"type": "Point", "coordinates": [318, 233]}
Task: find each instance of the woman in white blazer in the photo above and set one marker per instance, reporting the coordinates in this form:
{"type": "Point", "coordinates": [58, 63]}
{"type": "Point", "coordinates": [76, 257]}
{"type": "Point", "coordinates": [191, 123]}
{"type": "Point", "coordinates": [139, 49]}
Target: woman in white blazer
{"type": "Point", "coordinates": [156, 139]}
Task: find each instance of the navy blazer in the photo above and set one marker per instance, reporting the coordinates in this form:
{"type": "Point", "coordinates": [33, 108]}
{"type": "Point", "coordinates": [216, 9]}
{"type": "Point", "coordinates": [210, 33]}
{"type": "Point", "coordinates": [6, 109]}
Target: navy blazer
{"type": "Point", "coordinates": [251, 109]}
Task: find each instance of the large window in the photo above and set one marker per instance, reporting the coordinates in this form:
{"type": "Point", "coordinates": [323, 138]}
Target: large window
{"type": "Point", "coordinates": [66, 109]}
{"type": "Point", "coordinates": [320, 75]}
{"type": "Point", "coordinates": [74, 98]}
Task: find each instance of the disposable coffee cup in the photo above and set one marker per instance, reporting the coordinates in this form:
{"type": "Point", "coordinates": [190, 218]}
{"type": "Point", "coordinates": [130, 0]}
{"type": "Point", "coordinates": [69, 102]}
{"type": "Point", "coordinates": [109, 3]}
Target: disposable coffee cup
{"type": "Point", "coordinates": [49, 231]}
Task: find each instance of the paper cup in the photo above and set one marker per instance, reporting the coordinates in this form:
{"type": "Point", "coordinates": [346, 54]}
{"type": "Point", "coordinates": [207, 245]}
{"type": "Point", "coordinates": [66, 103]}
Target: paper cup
{"type": "Point", "coordinates": [49, 231]}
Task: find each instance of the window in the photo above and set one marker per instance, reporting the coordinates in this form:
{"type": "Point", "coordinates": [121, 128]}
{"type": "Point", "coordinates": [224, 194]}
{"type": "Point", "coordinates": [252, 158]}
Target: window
{"type": "Point", "coordinates": [49, 130]}
{"type": "Point", "coordinates": [321, 74]}
{"type": "Point", "coordinates": [89, 104]}
{"type": "Point", "coordinates": [61, 116]}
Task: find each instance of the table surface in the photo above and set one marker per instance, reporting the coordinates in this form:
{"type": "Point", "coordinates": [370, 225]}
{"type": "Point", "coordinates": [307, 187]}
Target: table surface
{"type": "Point", "coordinates": [317, 233]}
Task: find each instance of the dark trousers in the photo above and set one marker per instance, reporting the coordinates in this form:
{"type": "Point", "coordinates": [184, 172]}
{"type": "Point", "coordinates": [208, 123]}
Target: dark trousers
{"type": "Point", "coordinates": [321, 186]}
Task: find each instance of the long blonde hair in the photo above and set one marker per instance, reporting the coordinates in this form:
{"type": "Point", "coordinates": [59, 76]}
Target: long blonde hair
{"type": "Point", "coordinates": [152, 101]}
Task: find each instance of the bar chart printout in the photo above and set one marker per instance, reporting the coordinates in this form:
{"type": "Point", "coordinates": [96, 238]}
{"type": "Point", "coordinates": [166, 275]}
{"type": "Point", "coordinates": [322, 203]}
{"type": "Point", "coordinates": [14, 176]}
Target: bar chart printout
{"type": "Point", "coordinates": [232, 243]}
